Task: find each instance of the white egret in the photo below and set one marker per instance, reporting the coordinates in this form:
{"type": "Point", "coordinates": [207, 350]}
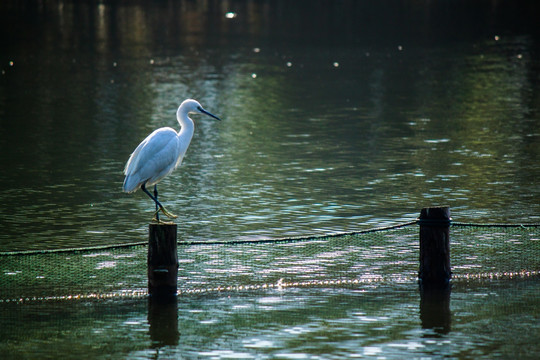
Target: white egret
{"type": "Point", "coordinates": [160, 153]}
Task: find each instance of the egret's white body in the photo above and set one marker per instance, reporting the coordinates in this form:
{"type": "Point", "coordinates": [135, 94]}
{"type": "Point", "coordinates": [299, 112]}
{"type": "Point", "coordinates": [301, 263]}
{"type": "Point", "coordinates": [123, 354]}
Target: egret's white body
{"type": "Point", "coordinates": [161, 152]}
{"type": "Point", "coordinates": [157, 156]}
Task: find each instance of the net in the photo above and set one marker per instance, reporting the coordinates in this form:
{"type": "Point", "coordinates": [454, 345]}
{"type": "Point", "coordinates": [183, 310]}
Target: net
{"type": "Point", "coordinates": [369, 257]}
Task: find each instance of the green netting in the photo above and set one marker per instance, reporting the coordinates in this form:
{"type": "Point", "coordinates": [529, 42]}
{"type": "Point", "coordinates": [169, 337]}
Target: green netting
{"type": "Point", "coordinates": [494, 250]}
{"type": "Point", "coordinates": [368, 257]}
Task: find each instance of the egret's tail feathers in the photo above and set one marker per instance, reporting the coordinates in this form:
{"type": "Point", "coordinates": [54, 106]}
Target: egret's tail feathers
{"type": "Point", "coordinates": [130, 184]}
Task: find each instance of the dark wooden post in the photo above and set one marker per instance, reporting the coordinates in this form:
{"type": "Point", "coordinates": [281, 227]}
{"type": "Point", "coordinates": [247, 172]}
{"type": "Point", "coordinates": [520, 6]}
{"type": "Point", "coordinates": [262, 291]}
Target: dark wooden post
{"type": "Point", "coordinates": [435, 247]}
{"type": "Point", "coordinates": [162, 260]}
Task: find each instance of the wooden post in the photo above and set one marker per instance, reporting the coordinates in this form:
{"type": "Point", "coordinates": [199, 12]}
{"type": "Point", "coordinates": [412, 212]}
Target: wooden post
{"type": "Point", "coordinates": [162, 260]}
{"type": "Point", "coordinates": [435, 247]}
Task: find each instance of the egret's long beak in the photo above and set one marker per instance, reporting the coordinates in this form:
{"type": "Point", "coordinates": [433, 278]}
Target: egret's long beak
{"type": "Point", "coordinates": [208, 113]}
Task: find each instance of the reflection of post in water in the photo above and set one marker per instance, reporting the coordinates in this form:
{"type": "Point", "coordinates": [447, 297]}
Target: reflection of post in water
{"type": "Point", "coordinates": [163, 320]}
{"type": "Point", "coordinates": [435, 310]}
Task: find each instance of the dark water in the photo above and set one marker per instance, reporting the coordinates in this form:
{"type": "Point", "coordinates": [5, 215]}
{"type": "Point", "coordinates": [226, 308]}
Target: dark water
{"type": "Point", "coordinates": [393, 322]}
{"type": "Point", "coordinates": [337, 116]}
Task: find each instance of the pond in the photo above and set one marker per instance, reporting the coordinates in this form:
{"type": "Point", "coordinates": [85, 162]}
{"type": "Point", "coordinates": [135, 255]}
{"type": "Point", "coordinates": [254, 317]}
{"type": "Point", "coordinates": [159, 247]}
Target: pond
{"type": "Point", "coordinates": [336, 117]}
{"type": "Point", "coordinates": [391, 322]}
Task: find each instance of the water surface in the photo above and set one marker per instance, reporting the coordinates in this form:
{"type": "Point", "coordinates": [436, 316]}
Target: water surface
{"type": "Point", "coordinates": [337, 116]}
{"type": "Point", "coordinates": [333, 120]}
{"type": "Point", "coordinates": [367, 322]}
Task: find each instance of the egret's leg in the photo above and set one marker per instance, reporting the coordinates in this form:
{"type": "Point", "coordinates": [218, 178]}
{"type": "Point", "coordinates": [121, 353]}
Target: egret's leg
{"type": "Point", "coordinates": [157, 207]}
{"type": "Point", "coordinates": [158, 204]}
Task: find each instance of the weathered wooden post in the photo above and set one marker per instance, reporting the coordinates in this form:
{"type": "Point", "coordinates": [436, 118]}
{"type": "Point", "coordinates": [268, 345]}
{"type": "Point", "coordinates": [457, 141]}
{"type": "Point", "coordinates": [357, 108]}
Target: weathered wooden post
{"type": "Point", "coordinates": [162, 260]}
{"type": "Point", "coordinates": [435, 269]}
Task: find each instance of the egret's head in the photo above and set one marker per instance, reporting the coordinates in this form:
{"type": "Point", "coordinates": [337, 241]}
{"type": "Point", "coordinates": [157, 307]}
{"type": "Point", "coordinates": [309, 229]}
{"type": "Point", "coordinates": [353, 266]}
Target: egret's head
{"type": "Point", "coordinates": [193, 106]}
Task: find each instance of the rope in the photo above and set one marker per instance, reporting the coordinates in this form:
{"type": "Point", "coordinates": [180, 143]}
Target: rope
{"type": "Point", "coordinates": [264, 241]}
{"type": "Point", "coordinates": [297, 239]}
{"type": "Point", "coordinates": [523, 226]}
{"type": "Point", "coordinates": [73, 250]}
{"type": "Point", "coordinates": [210, 242]}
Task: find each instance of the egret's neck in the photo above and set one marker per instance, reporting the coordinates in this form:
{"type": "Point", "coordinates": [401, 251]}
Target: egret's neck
{"type": "Point", "coordinates": [186, 127]}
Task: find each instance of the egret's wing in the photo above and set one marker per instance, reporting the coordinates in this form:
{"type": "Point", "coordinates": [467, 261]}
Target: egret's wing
{"type": "Point", "coordinates": [134, 158]}
{"type": "Point", "coordinates": [155, 157]}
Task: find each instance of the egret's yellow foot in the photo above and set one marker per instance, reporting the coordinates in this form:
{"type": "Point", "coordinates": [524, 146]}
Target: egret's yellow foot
{"type": "Point", "coordinates": [166, 213]}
